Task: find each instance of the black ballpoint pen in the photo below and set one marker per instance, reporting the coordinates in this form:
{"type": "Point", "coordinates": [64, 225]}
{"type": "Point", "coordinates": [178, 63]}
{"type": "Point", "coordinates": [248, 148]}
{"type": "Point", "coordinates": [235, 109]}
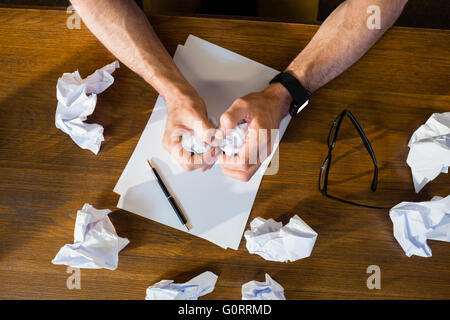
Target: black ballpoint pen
{"type": "Point", "coordinates": [169, 197]}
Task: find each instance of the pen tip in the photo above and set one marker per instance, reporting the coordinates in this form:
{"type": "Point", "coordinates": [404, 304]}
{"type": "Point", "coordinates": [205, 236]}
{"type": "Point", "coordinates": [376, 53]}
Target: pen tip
{"type": "Point", "coordinates": [187, 228]}
{"type": "Point", "coordinates": [150, 163]}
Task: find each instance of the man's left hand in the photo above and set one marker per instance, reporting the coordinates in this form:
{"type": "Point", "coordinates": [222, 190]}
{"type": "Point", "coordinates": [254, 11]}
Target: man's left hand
{"type": "Point", "coordinates": [262, 111]}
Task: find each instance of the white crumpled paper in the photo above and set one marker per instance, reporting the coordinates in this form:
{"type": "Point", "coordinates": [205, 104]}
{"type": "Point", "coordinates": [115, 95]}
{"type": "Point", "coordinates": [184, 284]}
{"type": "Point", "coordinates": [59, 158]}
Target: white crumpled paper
{"type": "Point", "coordinates": [416, 222]}
{"type": "Point", "coordinates": [230, 145]}
{"type": "Point", "coordinates": [429, 153]}
{"type": "Point", "coordinates": [77, 98]}
{"type": "Point", "coordinates": [273, 242]}
{"type": "Point", "coordinates": [191, 290]}
{"type": "Point", "coordinates": [269, 290]}
{"type": "Point", "coordinates": [96, 243]}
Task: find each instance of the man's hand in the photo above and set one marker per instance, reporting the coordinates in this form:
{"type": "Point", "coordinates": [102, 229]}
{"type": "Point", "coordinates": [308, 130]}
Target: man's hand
{"type": "Point", "coordinates": [262, 111]}
{"type": "Point", "coordinates": [187, 115]}
{"type": "Point", "coordinates": [125, 30]}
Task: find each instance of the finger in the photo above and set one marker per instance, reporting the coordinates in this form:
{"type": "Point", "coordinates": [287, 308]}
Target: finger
{"type": "Point", "coordinates": [247, 156]}
{"type": "Point", "coordinates": [254, 151]}
{"type": "Point", "coordinates": [202, 161]}
{"type": "Point", "coordinates": [184, 157]}
{"type": "Point", "coordinates": [190, 161]}
{"type": "Point", "coordinates": [172, 137]}
{"type": "Point", "coordinates": [205, 168]}
{"type": "Point", "coordinates": [210, 157]}
{"type": "Point", "coordinates": [233, 163]}
{"type": "Point", "coordinates": [240, 175]}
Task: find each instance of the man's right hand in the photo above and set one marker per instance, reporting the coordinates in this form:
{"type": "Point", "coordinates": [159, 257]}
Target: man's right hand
{"type": "Point", "coordinates": [187, 115]}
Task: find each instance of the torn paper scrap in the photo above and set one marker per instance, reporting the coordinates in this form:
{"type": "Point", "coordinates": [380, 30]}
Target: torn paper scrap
{"type": "Point", "coordinates": [191, 290]}
{"type": "Point", "coordinates": [231, 144]}
{"type": "Point", "coordinates": [273, 242]}
{"type": "Point", "coordinates": [96, 243]}
{"type": "Point", "coordinates": [269, 290]}
{"type": "Point", "coordinates": [416, 222]}
{"type": "Point", "coordinates": [429, 153]}
{"type": "Point", "coordinates": [77, 98]}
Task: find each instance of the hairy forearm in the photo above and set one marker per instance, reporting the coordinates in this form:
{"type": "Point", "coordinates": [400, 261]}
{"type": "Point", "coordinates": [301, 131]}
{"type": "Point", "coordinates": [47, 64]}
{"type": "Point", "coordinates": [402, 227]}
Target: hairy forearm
{"type": "Point", "coordinates": [124, 30]}
{"type": "Point", "coordinates": [341, 40]}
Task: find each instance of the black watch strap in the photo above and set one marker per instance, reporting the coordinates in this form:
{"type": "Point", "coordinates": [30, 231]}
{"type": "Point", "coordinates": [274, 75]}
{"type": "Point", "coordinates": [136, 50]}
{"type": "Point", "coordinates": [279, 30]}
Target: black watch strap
{"type": "Point", "coordinates": [299, 94]}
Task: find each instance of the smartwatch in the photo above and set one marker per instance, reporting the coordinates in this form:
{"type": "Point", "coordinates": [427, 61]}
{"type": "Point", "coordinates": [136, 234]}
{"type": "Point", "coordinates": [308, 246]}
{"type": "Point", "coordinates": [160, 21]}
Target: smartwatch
{"type": "Point", "coordinates": [300, 96]}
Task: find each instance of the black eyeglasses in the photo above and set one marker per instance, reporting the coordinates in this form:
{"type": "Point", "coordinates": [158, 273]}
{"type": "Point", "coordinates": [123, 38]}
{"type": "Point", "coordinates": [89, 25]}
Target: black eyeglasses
{"type": "Point", "coordinates": [325, 169]}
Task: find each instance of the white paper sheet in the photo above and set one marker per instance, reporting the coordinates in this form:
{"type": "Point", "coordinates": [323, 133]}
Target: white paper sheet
{"type": "Point", "coordinates": [96, 243]}
{"type": "Point", "coordinates": [77, 98]}
{"type": "Point", "coordinates": [429, 153]}
{"type": "Point", "coordinates": [416, 222]}
{"type": "Point", "coordinates": [273, 242]}
{"type": "Point", "coordinates": [268, 290]}
{"type": "Point", "coordinates": [216, 206]}
{"type": "Point", "coordinates": [191, 290]}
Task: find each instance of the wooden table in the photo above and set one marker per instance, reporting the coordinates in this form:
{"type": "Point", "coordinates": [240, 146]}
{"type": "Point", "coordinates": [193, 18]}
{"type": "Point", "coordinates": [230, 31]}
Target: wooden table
{"type": "Point", "coordinates": [45, 178]}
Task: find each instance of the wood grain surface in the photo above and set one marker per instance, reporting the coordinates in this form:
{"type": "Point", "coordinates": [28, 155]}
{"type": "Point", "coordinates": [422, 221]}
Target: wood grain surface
{"type": "Point", "coordinates": [45, 178]}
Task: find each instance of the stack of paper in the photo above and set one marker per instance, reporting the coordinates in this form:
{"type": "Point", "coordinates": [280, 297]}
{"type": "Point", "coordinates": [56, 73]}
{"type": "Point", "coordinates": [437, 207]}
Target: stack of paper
{"type": "Point", "coordinates": [216, 206]}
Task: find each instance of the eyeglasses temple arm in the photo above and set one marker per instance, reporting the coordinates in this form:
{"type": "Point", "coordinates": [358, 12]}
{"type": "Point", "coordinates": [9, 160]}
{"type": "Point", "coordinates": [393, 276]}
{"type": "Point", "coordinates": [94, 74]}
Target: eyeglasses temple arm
{"type": "Point", "coordinates": [368, 147]}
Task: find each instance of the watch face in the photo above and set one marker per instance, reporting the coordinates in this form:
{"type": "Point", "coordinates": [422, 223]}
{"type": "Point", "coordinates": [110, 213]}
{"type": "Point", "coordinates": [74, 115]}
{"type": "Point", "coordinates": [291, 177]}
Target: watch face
{"type": "Point", "coordinates": [302, 106]}
{"type": "Point", "coordinates": [295, 109]}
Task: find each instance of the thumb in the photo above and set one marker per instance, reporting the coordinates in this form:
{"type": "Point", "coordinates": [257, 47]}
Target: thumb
{"type": "Point", "coordinates": [232, 117]}
{"type": "Point", "coordinates": [204, 130]}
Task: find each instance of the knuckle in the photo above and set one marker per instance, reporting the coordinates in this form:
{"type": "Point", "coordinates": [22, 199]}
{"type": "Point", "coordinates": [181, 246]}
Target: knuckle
{"type": "Point", "coordinates": [188, 167]}
{"type": "Point", "coordinates": [259, 122]}
{"type": "Point", "coordinates": [225, 117]}
{"type": "Point", "coordinates": [244, 176]}
{"type": "Point", "coordinates": [224, 169]}
{"type": "Point", "coordinates": [242, 102]}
